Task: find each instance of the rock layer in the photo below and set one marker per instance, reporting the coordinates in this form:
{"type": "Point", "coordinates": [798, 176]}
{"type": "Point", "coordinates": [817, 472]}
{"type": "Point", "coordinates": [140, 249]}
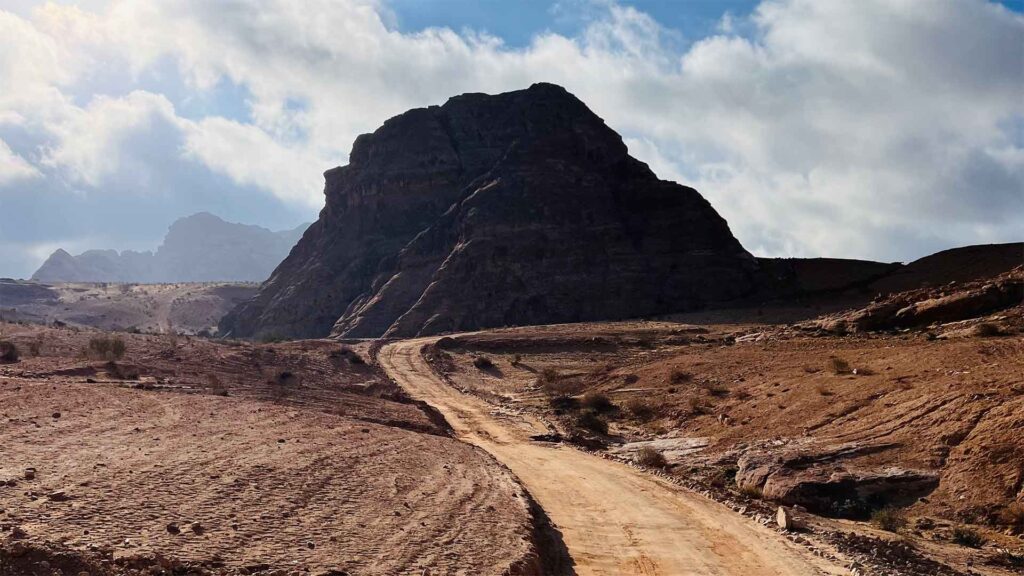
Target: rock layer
{"type": "Point", "coordinates": [518, 208]}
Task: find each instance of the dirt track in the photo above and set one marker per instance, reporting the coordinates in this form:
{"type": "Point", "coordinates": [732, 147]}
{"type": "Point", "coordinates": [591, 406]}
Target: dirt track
{"type": "Point", "coordinates": [613, 519]}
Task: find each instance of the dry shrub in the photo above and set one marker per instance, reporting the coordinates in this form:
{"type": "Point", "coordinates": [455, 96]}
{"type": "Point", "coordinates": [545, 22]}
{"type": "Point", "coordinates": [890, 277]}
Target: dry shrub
{"type": "Point", "coordinates": [8, 352]}
{"type": "Point", "coordinates": [680, 376]}
{"type": "Point", "coordinates": [597, 402]}
{"type": "Point", "coordinates": [639, 409]}
{"type": "Point", "coordinates": [823, 390]}
{"type": "Point", "coordinates": [35, 347]}
{"type": "Point", "coordinates": [287, 378]}
{"type": "Point", "coordinates": [968, 537]}
{"type": "Point", "coordinates": [753, 492]}
{"type": "Point", "coordinates": [1013, 516]}
{"type": "Point", "coordinates": [554, 384]}
{"type": "Point", "coordinates": [591, 421]}
{"type": "Point", "coordinates": [630, 378]}
{"type": "Point", "coordinates": [564, 403]}
{"type": "Point", "coordinates": [216, 386]}
{"type": "Point", "coordinates": [837, 365]}
{"type": "Point", "coordinates": [483, 363]}
{"type": "Point", "coordinates": [986, 330]}
{"type": "Point", "coordinates": [120, 372]}
{"type": "Point", "coordinates": [105, 348]}
{"type": "Point", "coordinates": [889, 519]}
{"type": "Point", "coordinates": [651, 458]}
{"type": "Point", "coordinates": [723, 477]}
{"type": "Point", "coordinates": [697, 406]}
{"type": "Point", "coordinates": [741, 394]}
{"type": "Point", "coordinates": [715, 389]}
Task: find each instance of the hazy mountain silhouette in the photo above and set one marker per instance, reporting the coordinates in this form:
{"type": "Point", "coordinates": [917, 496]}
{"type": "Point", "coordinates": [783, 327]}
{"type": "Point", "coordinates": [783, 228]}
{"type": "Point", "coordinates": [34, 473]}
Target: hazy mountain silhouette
{"type": "Point", "coordinates": [197, 248]}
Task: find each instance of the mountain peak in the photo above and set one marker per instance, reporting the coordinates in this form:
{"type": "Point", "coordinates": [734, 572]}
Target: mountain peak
{"type": "Point", "coordinates": [490, 210]}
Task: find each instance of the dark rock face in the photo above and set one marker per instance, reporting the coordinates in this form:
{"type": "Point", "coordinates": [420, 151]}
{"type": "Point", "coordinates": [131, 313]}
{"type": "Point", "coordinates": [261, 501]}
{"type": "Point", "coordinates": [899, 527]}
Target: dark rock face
{"type": "Point", "coordinates": [519, 208]}
{"type": "Point", "coordinates": [197, 248]}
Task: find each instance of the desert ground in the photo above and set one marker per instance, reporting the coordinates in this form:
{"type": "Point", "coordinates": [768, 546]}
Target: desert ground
{"type": "Point", "coordinates": [190, 456]}
{"type": "Point", "coordinates": [185, 308]}
{"type": "Point", "coordinates": [756, 441]}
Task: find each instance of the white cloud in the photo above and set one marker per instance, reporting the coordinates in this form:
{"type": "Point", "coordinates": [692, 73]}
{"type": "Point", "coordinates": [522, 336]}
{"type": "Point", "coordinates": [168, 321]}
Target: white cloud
{"type": "Point", "coordinates": [861, 129]}
{"type": "Point", "coordinates": [13, 167]}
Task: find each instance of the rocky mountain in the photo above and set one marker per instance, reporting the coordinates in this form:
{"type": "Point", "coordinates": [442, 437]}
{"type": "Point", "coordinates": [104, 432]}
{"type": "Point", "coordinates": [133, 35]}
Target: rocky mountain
{"type": "Point", "coordinates": [197, 248]}
{"type": "Point", "coordinates": [511, 209]}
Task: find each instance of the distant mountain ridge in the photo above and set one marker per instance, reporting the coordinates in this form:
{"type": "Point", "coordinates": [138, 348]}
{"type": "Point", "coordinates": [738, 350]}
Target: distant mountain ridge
{"type": "Point", "coordinates": [197, 248]}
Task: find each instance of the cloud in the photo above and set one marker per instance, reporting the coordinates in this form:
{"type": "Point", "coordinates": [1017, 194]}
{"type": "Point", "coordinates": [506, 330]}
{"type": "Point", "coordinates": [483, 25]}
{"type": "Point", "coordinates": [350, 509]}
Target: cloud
{"type": "Point", "coordinates": [862, 129]}
{"type": "Point", "coordinates": [13, 167]}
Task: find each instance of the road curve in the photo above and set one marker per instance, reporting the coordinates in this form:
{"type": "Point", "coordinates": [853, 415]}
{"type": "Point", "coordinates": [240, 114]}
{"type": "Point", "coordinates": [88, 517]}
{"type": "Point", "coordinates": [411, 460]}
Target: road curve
{"type": "Point", "coordinates": [613, 519]}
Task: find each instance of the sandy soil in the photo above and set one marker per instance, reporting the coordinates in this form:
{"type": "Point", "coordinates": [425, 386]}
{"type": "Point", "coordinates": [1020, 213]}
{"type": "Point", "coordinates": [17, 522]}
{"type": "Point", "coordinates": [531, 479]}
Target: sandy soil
{"type": "Point", "coordinates": [185, 308]}
{"type": "Point", "coordinates": [613, 518]}
{"type": "Point", "coordinates": [331, 469]}
{"type": "Point", "coordinates": [710, 392]}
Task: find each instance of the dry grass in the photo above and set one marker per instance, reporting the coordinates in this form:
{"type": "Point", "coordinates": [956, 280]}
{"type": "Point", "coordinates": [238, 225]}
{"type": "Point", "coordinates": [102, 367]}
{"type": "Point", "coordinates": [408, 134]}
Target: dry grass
{"type": "Point", "coordinates": [1013, 516]}
{"type": "Point", "coordinates": [968, 537]}
{"type": "Point", "coordinates": [483, 363]}
{"type": "Point", "coordinates": [680, 376]}
{"type": "Point", "coordinates": [753, 492]}
{"type": "Point", "coordinates": [837, 365]}
{"type": "Point", "coordinates": [651, 458]}
{"type": "Point", "coordinates": [889, 519]}
{"type": "Point", "coordinates": [639, 409]}
{"type": "Point", "coordinates": [105, 348]}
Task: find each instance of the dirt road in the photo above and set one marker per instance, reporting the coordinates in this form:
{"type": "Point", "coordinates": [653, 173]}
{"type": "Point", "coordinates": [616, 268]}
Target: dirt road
{"type": "Point", "coordinates": [613, 519]}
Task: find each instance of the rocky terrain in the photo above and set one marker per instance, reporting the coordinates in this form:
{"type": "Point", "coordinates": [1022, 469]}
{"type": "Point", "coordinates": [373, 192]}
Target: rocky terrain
{"type": "Point", "coordinates": [197, 248]}
{"type": "Point", "coordinates": [186, 308]}
{"type": "Point", "coordinates": [518, 208]}
{"type": "Point", "coordinates": [171, 454]}
{"type": "Point", "coordinates": [905, 432]}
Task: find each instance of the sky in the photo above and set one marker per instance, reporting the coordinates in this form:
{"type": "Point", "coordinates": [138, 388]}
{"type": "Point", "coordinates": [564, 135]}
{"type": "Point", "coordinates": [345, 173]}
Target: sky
{"type": "Point", "coordinates": [875, 129]}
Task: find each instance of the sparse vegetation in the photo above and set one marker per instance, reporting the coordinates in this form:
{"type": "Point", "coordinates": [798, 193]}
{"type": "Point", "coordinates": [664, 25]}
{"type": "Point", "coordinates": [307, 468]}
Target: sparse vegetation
{"type": "Point", "coordinates": [8, 352]}
{"type": "Point", "coordinates": [119, 372]}
{"type": "Point", "coordinates": [889, 519]}
{"type": "Point", "coordinates": [287, 378]}
{"type": "Point", "coordinates": [563, 403]}
{"type": "Point", "coordinates": [680, 376]}
{"type": "Point", "coordinates": [968, 537]}
{"type": "Point", "coordinates": [483, 363]}
{"type": "Point", "coordinates": [639, 409]}
{"type": "Point", "coordinates": [35, 347]}
{"type": "Point", "coordinates": [723, 477]}
{"type": "Point", "coordinates": [591, 421]}
{"type": "Point", "coordinates": [698, 406]}
{"type": "Point", "coordinates": [1013, 516]}
{"type": "Point", "coordinates": [823, 390]}
{"type": "Point", "coordinates": [986, 330]}
{"type": "Point", "coordinates": [651, 458]}
{"type": "Point", "coordinates": [837, 365]}
{"type": "Point", "coordinates": [753, 492]}
{"type": "Point", "coordinates": [597, 402]}
{"type": "Point", "coordinates": [105, 348]}
{"type": "Point", "coordinates": [715, 389]}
